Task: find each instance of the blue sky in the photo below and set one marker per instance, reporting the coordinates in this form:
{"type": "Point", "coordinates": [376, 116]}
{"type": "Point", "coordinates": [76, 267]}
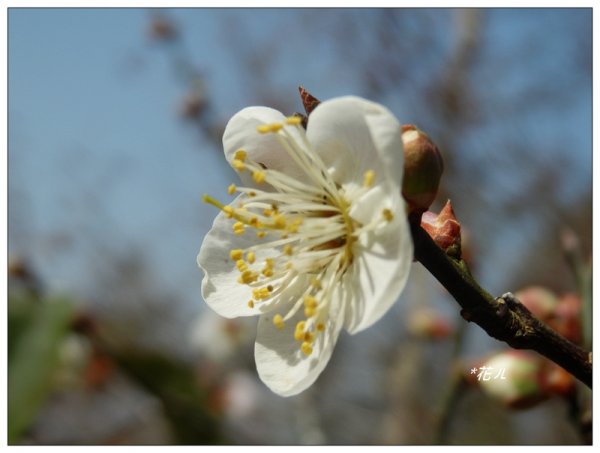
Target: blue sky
{"type": "Point", "coordinates": [96, 147]}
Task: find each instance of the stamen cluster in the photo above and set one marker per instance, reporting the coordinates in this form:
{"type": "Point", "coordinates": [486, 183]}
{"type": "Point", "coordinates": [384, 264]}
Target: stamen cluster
{"type": "Point", "coordinates": [303, 231]}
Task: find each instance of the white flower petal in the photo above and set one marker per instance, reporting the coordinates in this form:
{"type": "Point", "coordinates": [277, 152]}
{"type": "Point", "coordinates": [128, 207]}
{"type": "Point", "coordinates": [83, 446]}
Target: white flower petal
{"type": "Point", "coordinates": [220, 288]}
{"type": "Point", "coordinates": [241, 133]}
{"type": "Point", "coordinates": [382, 260]}
{"type": "Point", "coordinates": [281, 365]}
{"type": "Point", "coordinates": [387, 138]}
{"type": "Point", "coordinates": [369, 205]}
{"type": "Point", "coordinates": [353, 135]}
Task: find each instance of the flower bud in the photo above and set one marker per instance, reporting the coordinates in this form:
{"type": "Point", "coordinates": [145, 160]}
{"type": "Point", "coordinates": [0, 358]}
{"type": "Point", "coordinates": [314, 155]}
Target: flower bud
{"type": "Point", "coordinates": [423, 167]}
{"type": "Point", "coordinates": [556, 380]}
{"type": "Point", "coordinates": [568, 320]}
{"type": "Point", "coordinates": [429, 324]}
{"type": "Point", "coordinates": [540, 301]}
{"type": "Point", "coordinates": [444, 229]}
{"type": "Point", "coordinates": [513, 378]}
{"type": "Point", "coordinates": [561, 314]}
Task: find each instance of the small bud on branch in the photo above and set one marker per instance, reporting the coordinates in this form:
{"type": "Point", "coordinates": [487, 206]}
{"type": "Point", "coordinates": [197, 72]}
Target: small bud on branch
{"type": "Point", "coordinates": [444, 229]}
{"type": "Point", "coordinates": [423, 168]}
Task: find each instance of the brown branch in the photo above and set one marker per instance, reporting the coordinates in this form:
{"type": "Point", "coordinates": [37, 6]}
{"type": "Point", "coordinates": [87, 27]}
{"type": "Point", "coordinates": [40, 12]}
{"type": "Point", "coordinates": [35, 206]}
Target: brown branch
{"type": "Point", "coordinates": [503, 318]}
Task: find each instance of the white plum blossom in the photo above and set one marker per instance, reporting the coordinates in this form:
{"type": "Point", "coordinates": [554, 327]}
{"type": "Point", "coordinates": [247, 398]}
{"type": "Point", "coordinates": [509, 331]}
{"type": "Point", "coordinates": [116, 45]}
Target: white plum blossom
{"type": "Point", "coordinates": [317, 238]}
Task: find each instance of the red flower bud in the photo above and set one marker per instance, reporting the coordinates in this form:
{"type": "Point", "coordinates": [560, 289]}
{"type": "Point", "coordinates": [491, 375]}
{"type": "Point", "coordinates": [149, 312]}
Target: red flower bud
{"type": "Point", "coordinates": [443, 228]}
{"type": "Point", "coordinates": [555, 380]}
{"type": "Point", "coordinates": [561, 314]}
{"type": "Point", "coordinates": [567, 321]}
{"type": "Point", "coordinates": [423, 167]}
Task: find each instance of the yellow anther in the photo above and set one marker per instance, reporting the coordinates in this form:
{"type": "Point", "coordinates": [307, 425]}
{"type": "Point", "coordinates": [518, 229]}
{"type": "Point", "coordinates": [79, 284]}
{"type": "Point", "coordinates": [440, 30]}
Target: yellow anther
{"type": "Point", "coordinates": [369, 178]}
{"type": "Point", "coordinates": [387, 214]}
{"type": "Point", "coordinates": [263, 129]}
{"type": "Point", "coordinates": [293, 120]}
{"type": "Point", "coordinates": [316, 283]}
{"type": "Point", "coordinates": [309, 312]}
{"type": "Point", "coordinates": [238, 228]}
{"type": "Point", "coordinates": [210, 200]}
{"type": "Point", "coordinates": [241, 265]}
{"type": "Point", "coordinates": [275, 208]}
{"type": "Point", "coordinates": [306, 348]}
{"type": "Point", "coordinates": [270, 288]}
{"type": "Point", "coordinates": [278, 321]}
{"type": "Point", "coordinates": [238, 165]}
{"type": "Point", "coordinates": [267, 272]}
{"type": "Point", "coordinates": [320, 326]}
{"type": "Point", "coordinates": [270, 262]}
{"type": "Point", "coordinates": [251, 193]}
{"type": "Point", "coordinates": [275, 127]}
{"type": "Point", "coordinates": [251, 257]}
{"type": "Point", "coordinates": [248, 276]}
{"type": "Point", "coordinates": [293, 228]}
{"type": "Point", "coordinates": [309, 337]}
{"type": "Point", "coordinates": [259, 176]}
{"type": "Point", "coordinates": [310, 301]}
{"type": "Point", "coordinates": [279, 221]}
{"type": "Point", "coordinates": [299, 332]}
{"type": "Point", "coordinates": [260, 234]}
{"type": "Point", "coordinates": [299, 335]}
{"type": "Point", "coordinates": [240, 155]}
{"type": "Point", "coordinates": [267, 212]}
{"type": "Point", "coordinates": [288, 250]}
{"type": "Point", "coordinates": [251, 304]}
{"type": "Point", "coordinates": [236, 254]}
{"type": "Point", "coordinates": [261, 293]}
{"type": "Point", "coordinates": [231, 189]}
{"type": "Point", "coordinates": [228, 210]}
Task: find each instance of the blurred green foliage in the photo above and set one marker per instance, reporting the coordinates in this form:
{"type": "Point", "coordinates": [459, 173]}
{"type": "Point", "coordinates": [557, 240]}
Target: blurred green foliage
{"type": "Point", "coordinates": [185, 403]}
{"type": "Point", "coordinates": [36, 328]}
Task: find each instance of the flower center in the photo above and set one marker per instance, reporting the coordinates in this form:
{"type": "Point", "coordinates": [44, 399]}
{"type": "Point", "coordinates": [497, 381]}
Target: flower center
{"type": "Point", "coordinates": [305, 234]}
